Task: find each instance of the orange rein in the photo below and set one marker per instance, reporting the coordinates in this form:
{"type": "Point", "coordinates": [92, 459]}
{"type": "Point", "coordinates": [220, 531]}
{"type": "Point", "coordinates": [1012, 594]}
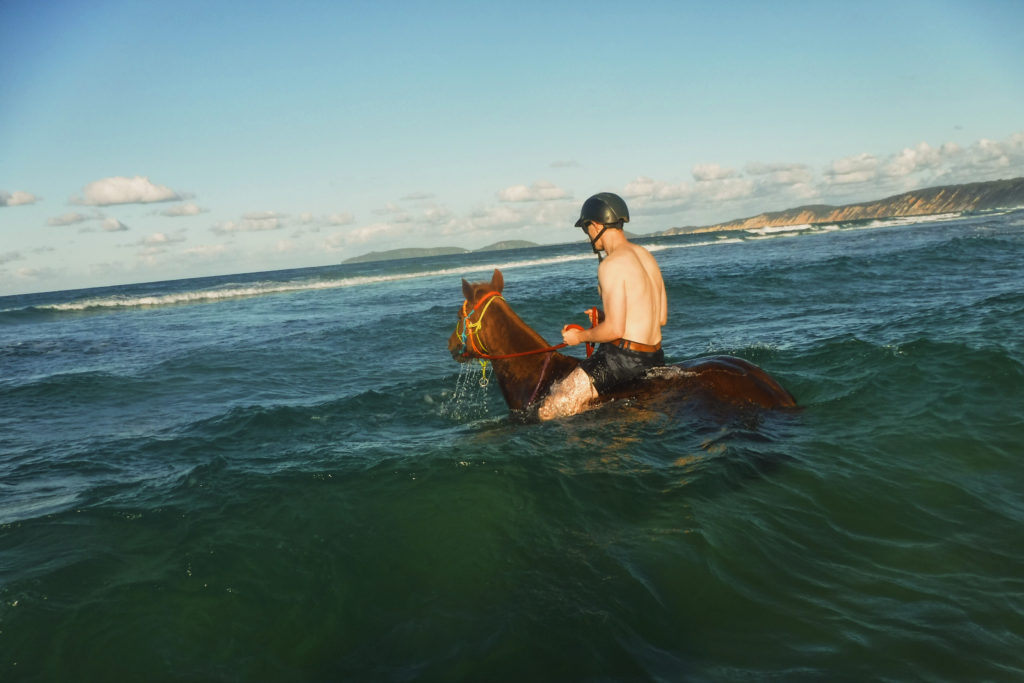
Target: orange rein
{"type": "Point", "coordinates": [470, 332]}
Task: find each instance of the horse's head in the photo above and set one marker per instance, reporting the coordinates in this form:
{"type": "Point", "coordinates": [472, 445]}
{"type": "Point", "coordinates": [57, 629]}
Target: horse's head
{"type": "Point", "coordinates": [477, 295]}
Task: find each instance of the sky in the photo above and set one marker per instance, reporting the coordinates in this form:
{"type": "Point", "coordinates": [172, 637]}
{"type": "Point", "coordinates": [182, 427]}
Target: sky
{"type": "Point", "coordinates": [144, 141]}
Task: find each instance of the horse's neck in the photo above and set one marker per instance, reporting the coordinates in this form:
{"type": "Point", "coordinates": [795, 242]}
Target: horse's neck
{"type": "Point", "coordinates": [526, 378]}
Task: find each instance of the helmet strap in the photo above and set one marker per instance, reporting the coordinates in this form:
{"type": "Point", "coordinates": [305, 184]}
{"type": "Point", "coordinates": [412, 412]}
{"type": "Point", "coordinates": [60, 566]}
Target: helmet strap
{"type": "Point", "coordinates": [593, 243]}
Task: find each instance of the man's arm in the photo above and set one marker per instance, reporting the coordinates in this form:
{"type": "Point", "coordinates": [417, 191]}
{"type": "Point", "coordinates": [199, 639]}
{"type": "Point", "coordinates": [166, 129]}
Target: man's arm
{"type": "Point", "coordinates": [664, 302]}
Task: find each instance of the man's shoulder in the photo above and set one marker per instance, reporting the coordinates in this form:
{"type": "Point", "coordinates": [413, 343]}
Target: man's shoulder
{"type": "Point", "coordinates": [616, 261]}
{"type": "Point", "coordinates": [624, 265]}
{"type": "Point", "coordinates": [627, 257]}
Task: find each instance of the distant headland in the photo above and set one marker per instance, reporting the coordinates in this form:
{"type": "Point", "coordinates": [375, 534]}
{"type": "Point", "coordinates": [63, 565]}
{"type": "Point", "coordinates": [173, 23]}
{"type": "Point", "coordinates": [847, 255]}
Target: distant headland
{"type": "Point", "coordinates": [995, 194]}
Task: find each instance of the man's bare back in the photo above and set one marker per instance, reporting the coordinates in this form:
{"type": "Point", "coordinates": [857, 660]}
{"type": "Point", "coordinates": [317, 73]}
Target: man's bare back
{"type": "Point", "coordinates": [630, 273]}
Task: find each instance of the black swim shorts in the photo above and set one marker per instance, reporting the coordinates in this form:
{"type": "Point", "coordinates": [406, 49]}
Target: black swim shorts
{"type": "Point", "coordinates": [611, 367]}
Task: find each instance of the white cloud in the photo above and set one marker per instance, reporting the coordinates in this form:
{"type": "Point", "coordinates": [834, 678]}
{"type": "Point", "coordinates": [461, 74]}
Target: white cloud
{"type": "Point", "coordinates": [924, 165]}
{"type": "Point", "coordinates": [206, 250]}
{"type": "Point", "coordinates": [645, 188]}
{"type": "Point", "coordinates": [856, 169]}
{"type": "Point", "coordinates": [306, 222]}
{"type": "Point", "coordinates": [17, 198]}
{"type": "Point", "coordinates": [340, 219]}
{"type": "Point", "coordinates": [187, 209]}
{"type": "Point", "coordinates": [714, 184]}
{"type": "Point", "coordinates": [263, 215]}
{"type": "Point", "coordinates": [360, 235]}
{"type": "Point", "coordinates": [161, 239]}
{"type": "Point", "coordinates": [983, 160]}
{"type": "Point", "coordinates": [724, 189]}
{"type": "Point", "coordinates": [35, 274]}
{"type": "Point", "coordinates": [705, 172]}
{"type": "Point", "coordinates": [420, 226]}
{"type": "Point", "coordinates": [70, 219]}
{"type": "Point", "coordinates": [156, 243]}
{"type": "Point", "coordinates": [9, 256]}
{"type": "Point", "coordinates": [720, 192]}
{"type": "Point", "coordinates": [430, 214]}
{"type": "Point", "coordinates": [992, 155]}
{"type": "Point", "coordinates": [782, 179]}
{"type": "Point", "coordinates": [114, 225]}
{"type": "Point", "coordinates": [912, 160]}
{"type": "Point", "coordinates": [541, 222]}
{"type": "Point", "coordinates": [540, 191]}
{"type": "Point", "coordinates": [122, 190]}
{"type": "Point", "coordinates": [394, 212]}
{"type": "Point", "coordinates": [781, 174]}
{"type": "Point", "coordinates": [251, 222]}
{"type": "Point", "coordinates": [435, 215]}
{"type": "Point", "coordinates": [496, 216]}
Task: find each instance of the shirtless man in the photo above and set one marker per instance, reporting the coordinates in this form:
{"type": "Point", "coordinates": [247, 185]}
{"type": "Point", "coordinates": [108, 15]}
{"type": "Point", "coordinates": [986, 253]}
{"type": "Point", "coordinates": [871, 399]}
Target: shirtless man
{"type": "Point", "coordinates": [635, 308]}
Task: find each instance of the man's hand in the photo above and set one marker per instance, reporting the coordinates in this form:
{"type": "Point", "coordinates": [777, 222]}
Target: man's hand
{"type": "Point", "coordinates": [572, 334]}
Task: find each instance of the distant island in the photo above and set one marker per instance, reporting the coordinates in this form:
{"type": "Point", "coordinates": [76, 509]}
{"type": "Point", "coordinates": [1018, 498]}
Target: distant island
{"type": "Point", "coordinates": [394, 254]}
{"type": "Point", "coordinates": [995, 194]}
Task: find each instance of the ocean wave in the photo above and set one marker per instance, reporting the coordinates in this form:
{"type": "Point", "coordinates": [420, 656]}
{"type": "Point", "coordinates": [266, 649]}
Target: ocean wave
{"type": "Point", "coordinates": [774, 236]}
{"type": "Point", "coordinates": [227, 292]}
{"type": "Point", "coordinates": [768, 229]}
{"type": "Point", "coordinates": [270, 287]}
{"type": "Point", "coordinates": [721, 240]}
{"type": "Point", "coordinates": [769, 232]}
{"type": "Point", "coordinates": [911, 220]}
{"type": "Point", "coordinates": [26, 502]}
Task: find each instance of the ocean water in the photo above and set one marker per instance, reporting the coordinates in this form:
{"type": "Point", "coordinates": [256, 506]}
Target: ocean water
{"type": "Point", "coordinates": [285, 477]}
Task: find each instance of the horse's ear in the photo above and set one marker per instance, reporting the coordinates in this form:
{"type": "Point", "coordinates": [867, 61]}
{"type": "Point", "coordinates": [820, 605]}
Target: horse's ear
{"type": "Point", "coordinates": [497, 281]}
{"type": "Point", "coordinates": [467, 290]}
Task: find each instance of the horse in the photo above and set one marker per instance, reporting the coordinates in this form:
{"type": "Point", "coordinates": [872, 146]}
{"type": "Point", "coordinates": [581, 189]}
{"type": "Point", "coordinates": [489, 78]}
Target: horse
{"type": "Point", "coordinates": [527, 366]}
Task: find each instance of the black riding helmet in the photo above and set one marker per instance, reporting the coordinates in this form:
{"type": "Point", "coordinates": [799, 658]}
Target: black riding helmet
{"type": "Point", "coordinates": [607, 209]}
{"type": "Point", "coordinates": [604, 208]}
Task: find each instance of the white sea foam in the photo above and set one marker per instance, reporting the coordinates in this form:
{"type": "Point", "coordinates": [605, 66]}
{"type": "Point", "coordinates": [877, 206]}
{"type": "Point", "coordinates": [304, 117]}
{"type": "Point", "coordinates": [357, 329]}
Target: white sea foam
{"type": "Point", "coordinates": [263, 288]}
{"type": "Point", "coordinates": [912, 220]}
{"type": "Point", "coordinates": [256, 289]}
{"type": "Point", "coordinates": [722, 239]}
{"type": "Point", "coordinates": [768, 230]}
{"type": "Point", "coordinates": [283, 287]}
{"type": "Point", "coordinates": [669, 372]}
{"type": "Point", "coordinates": [773, 236]}
{"type": "Point", "coordinates": [32, 503]}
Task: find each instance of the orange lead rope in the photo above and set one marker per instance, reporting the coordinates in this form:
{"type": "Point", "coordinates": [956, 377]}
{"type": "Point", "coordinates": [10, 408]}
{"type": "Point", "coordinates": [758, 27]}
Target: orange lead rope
{"type": "Point", "coordinates": [592, 312]}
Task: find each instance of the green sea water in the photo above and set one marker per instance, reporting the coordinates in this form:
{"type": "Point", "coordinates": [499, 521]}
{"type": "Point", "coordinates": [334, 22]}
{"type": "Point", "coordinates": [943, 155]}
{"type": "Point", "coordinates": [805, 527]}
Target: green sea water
{"type": "Point", "coordinates": [285, 477]}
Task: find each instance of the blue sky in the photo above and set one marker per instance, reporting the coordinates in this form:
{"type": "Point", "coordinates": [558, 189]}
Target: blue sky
{"type": "Point", "coordinates": [143, 141]}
